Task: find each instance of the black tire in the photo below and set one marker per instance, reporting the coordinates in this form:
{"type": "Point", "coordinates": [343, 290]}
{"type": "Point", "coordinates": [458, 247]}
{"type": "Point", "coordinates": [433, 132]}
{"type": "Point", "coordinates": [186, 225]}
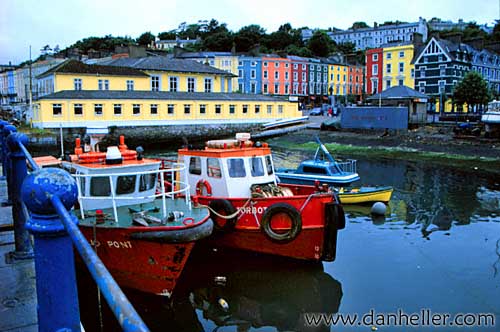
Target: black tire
{"type": "Point", "coordinates": [294, 216]}
{"type": "Point", "coordinates": [224, 207]}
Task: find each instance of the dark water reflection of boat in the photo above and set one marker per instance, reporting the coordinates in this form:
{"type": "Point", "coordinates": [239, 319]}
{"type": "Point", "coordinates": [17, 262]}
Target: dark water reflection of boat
{"type": "Point", "coordinates": [239, 291]}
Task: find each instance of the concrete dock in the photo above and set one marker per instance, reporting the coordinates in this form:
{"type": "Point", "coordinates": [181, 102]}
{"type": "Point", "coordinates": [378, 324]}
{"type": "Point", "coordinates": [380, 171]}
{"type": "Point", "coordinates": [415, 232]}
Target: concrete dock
{"type": "Point", "coordinates": [17, 279]}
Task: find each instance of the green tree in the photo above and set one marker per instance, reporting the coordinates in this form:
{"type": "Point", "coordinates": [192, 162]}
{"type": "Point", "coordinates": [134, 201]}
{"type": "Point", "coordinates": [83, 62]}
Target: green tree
{"type": "Point", "coordinates": [320, 44]}
{"type": "Point", "coordinates": [145, 39]}
{"type": "Point", "coordinates": [167, 35]}
{"type": "Point", "coordinates": [248, 36]}
{"type": "Point", "coordinates": [218, 41]}
{"type": "Point", "coordinates": [359, 25]}
{"type": "Point", "coordinates": [472, 90]}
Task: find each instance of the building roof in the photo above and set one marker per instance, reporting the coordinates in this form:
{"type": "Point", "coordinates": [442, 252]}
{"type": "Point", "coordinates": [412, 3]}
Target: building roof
{"type": "Point", "coordinates": [76, 67]}
{"type": "Point", "coordinates": [161, 63]}
{"type": "Point", "coordinates": [398, 92]}
{"type": "Point", "coordinates": [160, 95]}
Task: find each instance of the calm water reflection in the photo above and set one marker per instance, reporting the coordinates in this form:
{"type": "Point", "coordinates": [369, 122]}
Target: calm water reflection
{"type": "Point", "coordinates": [437, 248]}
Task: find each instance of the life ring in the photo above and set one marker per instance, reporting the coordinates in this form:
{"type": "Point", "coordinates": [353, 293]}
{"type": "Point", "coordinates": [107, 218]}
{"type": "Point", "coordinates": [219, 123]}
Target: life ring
{"type": "Point", "coordinates": [203, 184]}
{"type": "Point", "coordinates": [222, 207]}
{"type": "Point", "coordinates": [295, 220]}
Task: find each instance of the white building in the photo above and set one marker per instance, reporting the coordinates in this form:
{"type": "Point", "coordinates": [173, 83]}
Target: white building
{"type": "Point", "coordinates": [380, 34]}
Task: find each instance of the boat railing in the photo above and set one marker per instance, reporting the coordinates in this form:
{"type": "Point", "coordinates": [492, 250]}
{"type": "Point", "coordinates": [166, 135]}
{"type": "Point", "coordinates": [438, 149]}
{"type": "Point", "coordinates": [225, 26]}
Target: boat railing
{"type": "Point", "coordinates": [166, 187]}
{"type": "Point", "coordinates": [348, 165]}
{"type": "Point", "coordinates": [41, 204]}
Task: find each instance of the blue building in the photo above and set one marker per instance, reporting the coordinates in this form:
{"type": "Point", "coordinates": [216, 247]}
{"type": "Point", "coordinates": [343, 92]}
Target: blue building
{"type": "Point", "coordinates": [249, 74]}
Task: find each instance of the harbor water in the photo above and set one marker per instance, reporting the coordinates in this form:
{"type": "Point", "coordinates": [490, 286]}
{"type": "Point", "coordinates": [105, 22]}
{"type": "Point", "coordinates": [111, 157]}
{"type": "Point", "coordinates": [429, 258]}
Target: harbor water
{"type": "Point", "coordinates": [436, 253]}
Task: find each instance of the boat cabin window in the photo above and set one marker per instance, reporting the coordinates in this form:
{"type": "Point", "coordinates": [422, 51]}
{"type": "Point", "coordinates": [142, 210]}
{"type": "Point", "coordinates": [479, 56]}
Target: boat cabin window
{"type": "Point", "coordinates": [314, 170]}
{"type": "Point", "coordinates": [213, 168]}
{"type": "Point", "coordinates": [236, 167]}
{"type": "Point", "coordinates": [195, 165]}
{"type": "Point", "coordinates": [125, 184]}
{"type": "Point", "coordinates": [147, 181]}
{"type": "Point", "coordinates": [269, 165]}
{"type": "Point", "coordinates": [257, 169]}
{"type": "Point", "coordinates": [99, 186]}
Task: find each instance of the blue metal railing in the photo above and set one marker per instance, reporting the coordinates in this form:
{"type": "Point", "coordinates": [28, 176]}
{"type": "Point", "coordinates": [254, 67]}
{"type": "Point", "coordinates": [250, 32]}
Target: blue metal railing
{"type": "Point", "coordinates": [49, 193]}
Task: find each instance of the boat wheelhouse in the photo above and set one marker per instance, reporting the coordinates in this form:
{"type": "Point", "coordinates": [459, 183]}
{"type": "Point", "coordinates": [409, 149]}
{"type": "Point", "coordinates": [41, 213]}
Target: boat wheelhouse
{"type": "Point", "coordinates": [235, 178]}
{"type": "Point", "coordinates": [142, 228]}
{"type": "Point", "coordinates": [491, 119]}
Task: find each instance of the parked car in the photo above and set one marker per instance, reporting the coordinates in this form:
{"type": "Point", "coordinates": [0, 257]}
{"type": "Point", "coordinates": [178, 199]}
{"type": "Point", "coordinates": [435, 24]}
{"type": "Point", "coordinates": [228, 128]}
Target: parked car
{"type": "Point", "coordinates": [317, 111]}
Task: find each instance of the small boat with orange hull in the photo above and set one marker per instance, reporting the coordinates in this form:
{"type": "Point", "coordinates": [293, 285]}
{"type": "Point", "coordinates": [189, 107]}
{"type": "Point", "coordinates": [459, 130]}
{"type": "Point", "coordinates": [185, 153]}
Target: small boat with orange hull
{"type": "Point", "coordinates": [235, 179]}
{"type": "Point", "coordinates": [140, 228]}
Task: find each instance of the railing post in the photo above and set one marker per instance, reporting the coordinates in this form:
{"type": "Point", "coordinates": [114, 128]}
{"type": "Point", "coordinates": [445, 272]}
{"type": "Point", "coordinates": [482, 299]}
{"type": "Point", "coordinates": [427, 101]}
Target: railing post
{"type": "Point", "coordinates": [18, 172]}
{"type": "Point", "coordinates": [56, 288]}
{"type": "Point", "coordinates": [7, 130]}
{"type": "Point", "coordinates": [3, 123]}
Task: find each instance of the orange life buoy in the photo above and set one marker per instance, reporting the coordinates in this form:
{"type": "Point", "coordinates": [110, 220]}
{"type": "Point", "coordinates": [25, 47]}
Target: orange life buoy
{"type": "Point", "coordinates": [203, 184]}
{"type": "Point", "coordinates": [92, 157]}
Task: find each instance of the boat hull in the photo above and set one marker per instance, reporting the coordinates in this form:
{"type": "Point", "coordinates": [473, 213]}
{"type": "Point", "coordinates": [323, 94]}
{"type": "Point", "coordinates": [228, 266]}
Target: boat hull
{"type": "Point", "coordinates": [313, 242]}
{"type": "Point", "coordinates": [369, 196]}
{"type": "Point", "coordinates": [144, 259]}
{"type": "Point", "coordinates": [289, 177]}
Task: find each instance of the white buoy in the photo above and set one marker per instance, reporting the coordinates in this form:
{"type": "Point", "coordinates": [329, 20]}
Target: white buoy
{"type": "Point", "coordinates": [379, 208]}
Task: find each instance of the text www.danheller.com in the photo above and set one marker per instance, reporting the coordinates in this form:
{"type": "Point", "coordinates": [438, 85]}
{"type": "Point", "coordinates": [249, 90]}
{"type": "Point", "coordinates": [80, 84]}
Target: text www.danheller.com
{"type": "Point", "coordinates": [424, 317]}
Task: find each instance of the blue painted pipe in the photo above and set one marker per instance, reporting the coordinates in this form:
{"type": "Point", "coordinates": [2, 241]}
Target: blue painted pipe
{"type": "Point", "coordinates": [7, 130]}
{"type": "Point", "coordinates": [23, 248]}
{"type": "Point", "coordinates": [47, 192]}
{"type": "Point", "coordinates": [3, 123]}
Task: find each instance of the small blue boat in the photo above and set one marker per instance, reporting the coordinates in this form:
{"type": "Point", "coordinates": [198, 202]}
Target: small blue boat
{"type": "Point", "coordinates": [323, 168]}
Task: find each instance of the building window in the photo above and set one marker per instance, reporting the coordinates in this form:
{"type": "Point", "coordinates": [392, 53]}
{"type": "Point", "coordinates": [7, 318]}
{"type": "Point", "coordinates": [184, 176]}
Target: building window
{"type": "Point", "coordinates": [253, 74]}
{"type": "Point", "coordinates": [170, 109]}
{"type": "Point", "coordinates": [253, 63]}
{"type": "Point", "coordinates": [103, 84]}
{"type": "Point", "coordinates": [218, 109]}
{"type": "Point", "coordinates": [187, 109]}
{"type": "Point", "coordinates": [276, 75]}
{"type": "Point", "coordinates": [304, 76]}
{"type": "Point", "coordinates": [421, 87]}
{"type": "Point", "coordinates": [232, 109]}
{"type": "Point", "coordinates": [401, 54]}
{"type": "Point", "coordinates": [269, 109]}
{"type": "Point", "coordinates": [374, 57]}
{"type": "Point", "coordinates": [253, 87]}
{"type": "Point", "coordinates": [401, 82]}
{"type": "Point", "coordinates": [240, 73]}
{"type": "Point", "coordinates": [245, 109]}
{"type": "Point", "coordinates": [387, 84]}
{"type": "Point", "coordinates": [208, 85]}
{"type": "Point", "coordinates": [78, 109]}
{"type": "Point", "coordinates": [401, 67]}
{"type": "Point", "coordinates": [304, 66]}
{"type": "Point", "coordinates": [136, 109]}
{"type": "Point", "coordinates": [280, 109]}
{"type": "Point", "coordinates": [276, 64]}
{"type": "Point", "coordinates": [56, 109]}
{"type": "Point", "coordinates": [265, 64]}
{"type": "Point", "coordinates": [130, 85]}
{"type": "Point", "coordinates": [287, 89]}
{"type": "Point", "coordinates": [389, 55]}
{"type": "Point", "coordinates": [203, 109]}
{"type": "Point", "coordinates": [286, 76]}
{"type": "Point", "coordinates": [265, 74]}
{"type": "Point", "coordinates": [77, 82]}
{"type": "Point", "coordinates": [295, 66]}
{"type": "Point", "coordinates": [257, 109]}
{"type": "Point", "coordinates": [191, 84]}
{"type": "Point", "coordinates": [442, 70]}
{"type": "Point", "coordinates": [442, 86]}
{"type": "Point", "coordinates": [117, 109]}
{"type": "Point", "coordinates": [173, 84]}
{"type": "Point", "coordinates": [155, 83]}
{"type": "Point", "coordinates": [153, 109]}
{"type": "Point", "coordinates": [276, 89]}
{"type": "Point", "coordinates": [412, 73]}
{"type": "Point", "coordinates": [388, 68]}
{"type": "Point", "coordinates": [264, 88]}
{"type": "Point", "coordinates": [97, 109]}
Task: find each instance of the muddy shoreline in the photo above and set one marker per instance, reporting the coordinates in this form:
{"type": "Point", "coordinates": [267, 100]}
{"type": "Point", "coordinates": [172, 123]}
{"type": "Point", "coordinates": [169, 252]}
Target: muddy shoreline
{"type": "Point", "coordinates": [432, 143]}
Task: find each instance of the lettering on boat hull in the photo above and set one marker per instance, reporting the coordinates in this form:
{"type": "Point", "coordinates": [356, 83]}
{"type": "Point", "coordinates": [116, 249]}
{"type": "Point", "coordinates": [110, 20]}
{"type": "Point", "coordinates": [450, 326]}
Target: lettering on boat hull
{"type": "Point", "coordinates": [120, 244]}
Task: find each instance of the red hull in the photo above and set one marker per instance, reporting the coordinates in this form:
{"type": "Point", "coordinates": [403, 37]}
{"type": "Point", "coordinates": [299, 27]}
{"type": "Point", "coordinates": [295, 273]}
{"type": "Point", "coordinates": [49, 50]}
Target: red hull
{"type": "Point", "coordinates": [249, 235]}
{"type": "Point", "coordinates": [144, 265]}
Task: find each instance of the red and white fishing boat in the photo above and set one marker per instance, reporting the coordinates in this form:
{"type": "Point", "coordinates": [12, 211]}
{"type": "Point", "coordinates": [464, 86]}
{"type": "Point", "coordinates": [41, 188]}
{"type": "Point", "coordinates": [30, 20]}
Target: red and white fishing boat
{"type": "Point", "coordinates": [141, 230]}
{"type": "Point", "coordinates": [250, 210]}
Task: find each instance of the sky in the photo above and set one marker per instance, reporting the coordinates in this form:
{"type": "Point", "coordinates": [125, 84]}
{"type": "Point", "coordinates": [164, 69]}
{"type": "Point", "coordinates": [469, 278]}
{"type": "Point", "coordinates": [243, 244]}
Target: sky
{"type": "Point", "coordinates": [64, 22]}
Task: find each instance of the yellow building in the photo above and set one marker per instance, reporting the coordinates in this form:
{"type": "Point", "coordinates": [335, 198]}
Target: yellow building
{"type": "Point", "coordinates": [338, 79]}
{"type": "Point", "coordinates": [92, 96]}
{"type": "Point", "coordinates": [397, 67]}
{"type": "Point", "coordinates": [102, 109]}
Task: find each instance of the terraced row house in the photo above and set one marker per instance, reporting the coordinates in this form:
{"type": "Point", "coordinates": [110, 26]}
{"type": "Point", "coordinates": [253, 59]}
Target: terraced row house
{"type": "Point", "coordinates": [148, 92]}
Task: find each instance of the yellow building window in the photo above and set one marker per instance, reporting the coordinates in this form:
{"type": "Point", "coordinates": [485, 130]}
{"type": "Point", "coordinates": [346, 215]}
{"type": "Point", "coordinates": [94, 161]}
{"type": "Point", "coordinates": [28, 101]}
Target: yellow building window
{"type": "Point", "coordinates": [187, 109]}
{"type": "Point", "coordinates": [269, 109]}
{"type": "Point", "coordinates": [280, 109]}
{"type": "Point", "coordinates": [153, 109]}
{"type": "Point", "coordinates": [232, 109]}
{"type": "Point", "coordinates": [218, 109]}
{"type": "Point", "coordinates": [57, 109]}
{"type": "Point", "coordinates": [78, 109]}
{"type": "Point", "coordinates": [170, 109]}
{"type": "Point", "coordinates": [257, 109]}
{"type": "Point", "coordinates": [245, 109]}
{"type": "Point", "coordinates": [98, 109]}
{"type": "Point", "coordinates": [117, 109]}
{"type": "Point", "coordinates": [203, 109]}
{"type": "Point", "coordinates": [136, 109]}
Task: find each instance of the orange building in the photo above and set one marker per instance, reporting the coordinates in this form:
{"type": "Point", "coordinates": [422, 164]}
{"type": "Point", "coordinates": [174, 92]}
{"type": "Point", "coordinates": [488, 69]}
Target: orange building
{"type": "Point", "coordinates": [355, 81]}
{"type": "Point", "coordinates": [276, 75]}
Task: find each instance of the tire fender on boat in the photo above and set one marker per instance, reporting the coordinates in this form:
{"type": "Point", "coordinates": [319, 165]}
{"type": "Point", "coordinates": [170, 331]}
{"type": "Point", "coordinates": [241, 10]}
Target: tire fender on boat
{"type": "Point", "coordinates": [224, 207]}
{"type": "Point", "coordinates": [295, 219]}
{"type": "Point", "coordinates": [203, 184]}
